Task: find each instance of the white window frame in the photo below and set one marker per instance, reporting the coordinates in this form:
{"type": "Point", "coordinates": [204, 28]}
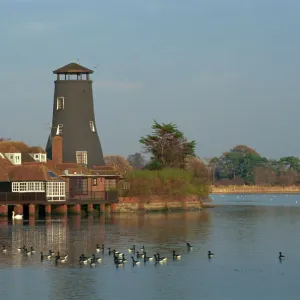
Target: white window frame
{"type": "Point", "coordinates": [2, 155]}
{"type": "Point", "coordinates": [59, 130]}
{"type": "Point", "coordinates": [92, 126]}
{"type": "Point", "coordinates": [43, 158]}
{"type": "Point", "coordinates": [81, 157]}
{"type": "Point", "coordinates": [60, 103]}
{"type": "Point", "coordinates": [28, 187]}
{"type": "Point", "coordinates": [56, 191]}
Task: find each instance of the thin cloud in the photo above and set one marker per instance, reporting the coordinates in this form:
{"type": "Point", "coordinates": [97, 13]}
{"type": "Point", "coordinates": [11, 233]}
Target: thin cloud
{"type": "Point", "coordinates": [118, 85]}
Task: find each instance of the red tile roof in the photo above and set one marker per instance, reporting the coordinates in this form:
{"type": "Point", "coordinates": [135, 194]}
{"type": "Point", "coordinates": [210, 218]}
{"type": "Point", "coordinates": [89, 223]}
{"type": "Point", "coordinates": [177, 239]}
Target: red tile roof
{"type": "Point", "coordinates": [36, 149]}
{"type": "Point", "coordinates": [4, 164]}
{"type": "Point", "coordinates": [32, 172]}
{"type": "Point", "coordinates": [8, 147]}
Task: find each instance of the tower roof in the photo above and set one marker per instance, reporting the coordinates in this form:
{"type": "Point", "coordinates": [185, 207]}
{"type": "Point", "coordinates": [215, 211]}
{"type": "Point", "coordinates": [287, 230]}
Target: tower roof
{"type": "Point", "coordinates": [73, 68]}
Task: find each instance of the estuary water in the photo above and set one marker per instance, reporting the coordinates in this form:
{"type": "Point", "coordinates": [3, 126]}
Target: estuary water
{"type": "Point", "coordinates": [245, 233]}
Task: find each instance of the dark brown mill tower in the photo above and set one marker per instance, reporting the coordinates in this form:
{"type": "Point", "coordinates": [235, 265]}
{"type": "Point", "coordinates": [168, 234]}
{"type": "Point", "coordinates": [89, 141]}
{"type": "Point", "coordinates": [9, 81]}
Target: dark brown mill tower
{"type": "Point", "coordinates": [73, 117]}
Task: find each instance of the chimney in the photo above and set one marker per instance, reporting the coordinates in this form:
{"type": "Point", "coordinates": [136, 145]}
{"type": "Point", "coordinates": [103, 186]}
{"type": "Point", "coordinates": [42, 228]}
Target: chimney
{"type": "Point", "coordinates": [57, 147]}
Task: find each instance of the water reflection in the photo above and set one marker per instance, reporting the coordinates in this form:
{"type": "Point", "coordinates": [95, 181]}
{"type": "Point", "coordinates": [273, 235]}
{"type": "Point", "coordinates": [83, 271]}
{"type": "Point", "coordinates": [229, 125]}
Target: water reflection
{"type": "Point", "coordinates": [78, 235]}
{"type": "Point", "coordinates": [245, 239]}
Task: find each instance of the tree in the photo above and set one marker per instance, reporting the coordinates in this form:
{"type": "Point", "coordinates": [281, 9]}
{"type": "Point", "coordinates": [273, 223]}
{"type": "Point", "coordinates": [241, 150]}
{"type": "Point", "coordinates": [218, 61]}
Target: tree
{"type": "Point", "coordinates": [264, 175]}
{"type": "Point", "coordinates": [290, 163]}
{"type": "Point", "coordinates": [168, 146]}
{"type": "Point", "coordinates": [136, 160]}
{"type": "Point", "coordinates": [239, 161]}
{"type": "Point", "coordinates": [119, 163]}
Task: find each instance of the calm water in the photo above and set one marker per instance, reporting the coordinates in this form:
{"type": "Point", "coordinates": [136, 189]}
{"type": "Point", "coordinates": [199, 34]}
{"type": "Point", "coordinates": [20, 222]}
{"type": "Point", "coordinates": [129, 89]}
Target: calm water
{"type": "Point", "coordinates": [245, 235]}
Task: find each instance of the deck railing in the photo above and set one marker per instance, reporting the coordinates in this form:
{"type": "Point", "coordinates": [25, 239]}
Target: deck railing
{"type": "Point", "coordinates": [40, 198]}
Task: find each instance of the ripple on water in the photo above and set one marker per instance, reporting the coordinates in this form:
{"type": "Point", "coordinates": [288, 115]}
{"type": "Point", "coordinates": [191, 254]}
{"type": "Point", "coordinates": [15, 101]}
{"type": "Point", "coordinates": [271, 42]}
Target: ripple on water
{"type": "Point", "coordinates": [245, 239]}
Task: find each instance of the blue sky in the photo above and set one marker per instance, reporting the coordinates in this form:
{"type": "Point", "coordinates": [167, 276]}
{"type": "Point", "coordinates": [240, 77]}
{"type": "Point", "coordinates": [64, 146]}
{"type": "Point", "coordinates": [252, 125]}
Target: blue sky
{"type": "Point", "coordinates": [226, 71]}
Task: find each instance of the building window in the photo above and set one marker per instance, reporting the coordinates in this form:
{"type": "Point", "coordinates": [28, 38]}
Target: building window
{"type": "Point", "coordinates": [36, 156]}
{"type": "Point", "coordinates": [110, 184]}
{"type": "Point", "coordinates": [92, 126]}
{"type": "Point", "coordinates": [43, 157]}
{"type": "Point", "coordinates": [94, 181]}
{"type": "Point", "coordinates": [23, 186]}
{"type": "Point", "coordinates": [28, 187]}
{"type": "Point", "coordinates": [15, 186]}
{"type": "Point", "coordinates": [56, 191]}
{"type": "Point", "coordinates": [60, 103]}
{"type": "Point", "coordinates": [81, 157]}
{"type": "Point", "coordinates": [59, 130]}
{"type": "Point", "coordinates": [79, 186]}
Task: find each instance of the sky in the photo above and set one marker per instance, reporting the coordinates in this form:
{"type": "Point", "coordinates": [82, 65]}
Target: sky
{"type": "Point", "coordinates": [226, 72]}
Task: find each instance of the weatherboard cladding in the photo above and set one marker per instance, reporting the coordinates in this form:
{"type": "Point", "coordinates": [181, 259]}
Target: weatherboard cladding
{"type": "Point", "coordinates": [76, 116]}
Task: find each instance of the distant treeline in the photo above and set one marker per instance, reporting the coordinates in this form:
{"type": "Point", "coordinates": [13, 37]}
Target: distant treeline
{"type": "Point", "coordinates": [243, 165]}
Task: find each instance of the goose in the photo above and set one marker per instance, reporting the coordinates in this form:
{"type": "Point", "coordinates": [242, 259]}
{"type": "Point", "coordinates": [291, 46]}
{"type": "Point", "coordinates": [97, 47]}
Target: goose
{"type": "Point", "coordinates": [139, 255]}
{"type": "Point", "coordinates": [82, 259]}
{"type": "Point", "coordinates": [4, 250]}
{"type": "Point", "coordinates": [21, 248]}
{"type": "Point", "coordinates": [135, 262]}
{"type": "Point", "coordinates": [143, 249]}
{"type": "Point", "coordinates": [161, 258]}
{"type": "Point", "coordinates": [32, 250]}
{"type": "Point", "coordinates": [62, 256]}
{"type": "Point", "coordinates": [98, 259]}
{"type": "Point", "coordinates": [117, 253]}
{"type": "Point", "coordinates": [102, 248]}
{"type": "Point", "coordinates": [124, 260]}
{"type": "Point", "coordinates": [158, 260]}
{"type": "Point", "coordinates": [109, 251]}
{"type": "Point", "coordinates": [281, 256]}
{"type": "Point", "coordinates": [45, 256]}
{"type": "Point", "coordinates": [16, 217]}
{"type": "Point", "coordinates": [60, 259]}
{"type": "Point", "coordinates": [118, 262]}
{"type": "Point", "coordinates": [147, 258]}
{"type": "Point", "coordinates": [176, 256]}
{"type": "Point", "coordinates": [27, 252]}
{"type": "Point", "coordinates": [52, 253]}
{"type": "Point", "coordinates": [93, 262]}
{"type": "Point", "coordinates": [97, 248]}
{"type": "Point", "coordinates": [132, 249]}
{"type": "Point", "coordinates": [210, 254]}
{"type": "Point", "coordinates": [189, 246]}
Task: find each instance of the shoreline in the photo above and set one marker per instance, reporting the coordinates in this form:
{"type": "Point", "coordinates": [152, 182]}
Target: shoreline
{"type": "Point", "coordinates": [255, 190]}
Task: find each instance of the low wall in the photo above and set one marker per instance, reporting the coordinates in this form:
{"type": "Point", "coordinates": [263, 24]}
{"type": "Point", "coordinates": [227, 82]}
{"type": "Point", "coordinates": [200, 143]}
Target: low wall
{"type": "Point", "coordinates": [136, 204]}
{"type": "Point", "coordinates": [246, 189]}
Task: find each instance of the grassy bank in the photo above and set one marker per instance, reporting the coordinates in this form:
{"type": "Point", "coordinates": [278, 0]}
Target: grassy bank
{"type": "Point", "coordinates": [171, 183]}
{"type": "Point", "coordinates": [245, 189]}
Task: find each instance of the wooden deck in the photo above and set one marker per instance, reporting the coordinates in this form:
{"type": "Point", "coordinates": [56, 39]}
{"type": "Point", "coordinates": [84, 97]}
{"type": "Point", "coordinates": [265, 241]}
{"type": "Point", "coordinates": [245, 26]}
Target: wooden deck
{"type": "Point", "coordinates": [8, 198]}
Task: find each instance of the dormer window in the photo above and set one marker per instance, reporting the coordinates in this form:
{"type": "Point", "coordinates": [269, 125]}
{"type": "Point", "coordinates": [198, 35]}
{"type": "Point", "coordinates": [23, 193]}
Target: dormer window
{"type": "Point", "coordinates": [15, 158]}
{"type": "Point", "coordinates": [36, 156]}
{"type": "Point", "coordinates": [60, 103]}
{"type": "Point", "coordinates": [92, 126]}
{"type": "Point", "coordinates": [59, 130]}
{"type": "Point", "coordinates": [43, 157]}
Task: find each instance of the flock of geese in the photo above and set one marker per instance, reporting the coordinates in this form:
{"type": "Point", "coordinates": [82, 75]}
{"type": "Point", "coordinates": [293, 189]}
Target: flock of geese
{"type": "Point", "coordinates": [119, 259]}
